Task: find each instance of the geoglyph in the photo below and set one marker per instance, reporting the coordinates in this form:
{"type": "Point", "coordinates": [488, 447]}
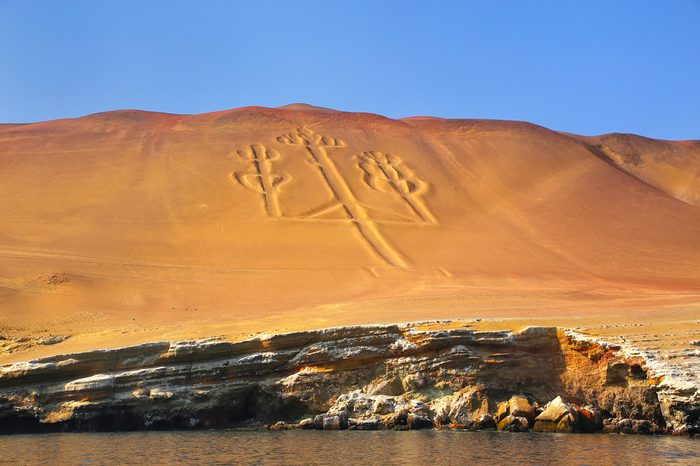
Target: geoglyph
{"type": "Point", "coordinates": [382, 172]}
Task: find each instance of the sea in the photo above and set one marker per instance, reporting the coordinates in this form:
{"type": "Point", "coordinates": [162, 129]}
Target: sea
{"type": "Point", "coordinates": [430, 447]}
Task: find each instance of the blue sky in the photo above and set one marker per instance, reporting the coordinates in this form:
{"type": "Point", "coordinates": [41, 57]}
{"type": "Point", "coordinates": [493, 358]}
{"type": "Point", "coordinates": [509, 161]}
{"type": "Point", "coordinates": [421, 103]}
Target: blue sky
{"type": "Point", "coordinates": [587, 67]}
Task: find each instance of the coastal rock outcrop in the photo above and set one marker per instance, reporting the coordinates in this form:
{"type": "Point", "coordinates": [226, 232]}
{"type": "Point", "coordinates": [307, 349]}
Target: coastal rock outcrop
{"type": "Point", "coordinates": [410, 376]}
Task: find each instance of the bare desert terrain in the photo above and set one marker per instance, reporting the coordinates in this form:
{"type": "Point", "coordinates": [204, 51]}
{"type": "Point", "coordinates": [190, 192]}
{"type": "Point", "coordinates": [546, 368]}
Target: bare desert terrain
{"type": "Point", "coordinates": [126, 227]}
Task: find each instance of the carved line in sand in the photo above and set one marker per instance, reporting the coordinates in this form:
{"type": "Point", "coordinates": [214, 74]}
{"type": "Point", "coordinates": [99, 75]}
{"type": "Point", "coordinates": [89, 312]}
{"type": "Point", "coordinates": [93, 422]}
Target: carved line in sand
{"type": "Point", "coordinates": [383, 172]}
{"type": "Point", "coordinates": [388, 174]}
{"type": "Point", "coordinates": [316, 145]}
{"type": "Point", "coordinates": [261, 179]}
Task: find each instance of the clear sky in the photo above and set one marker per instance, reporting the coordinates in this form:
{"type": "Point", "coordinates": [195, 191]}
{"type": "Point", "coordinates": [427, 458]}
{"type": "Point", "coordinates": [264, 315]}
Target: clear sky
{"type": "Point", "coordinates": [587, 67]}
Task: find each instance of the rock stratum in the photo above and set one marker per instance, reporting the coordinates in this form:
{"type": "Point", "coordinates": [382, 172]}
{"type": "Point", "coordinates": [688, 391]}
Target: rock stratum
{"type": "Point", "coordinates": [410, 376]}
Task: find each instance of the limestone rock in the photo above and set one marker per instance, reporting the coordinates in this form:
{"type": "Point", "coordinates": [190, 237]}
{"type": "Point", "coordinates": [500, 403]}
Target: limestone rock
{"type": "Point", "coordinates": [590, 419]}
{"type": "Point", "coordinates": [380, 376]}
{"type": "Point", "coordinates": [363, 424]}
{"type": "Point", "coordinates": [632, 426]}
{"type": "Point", "coordinates": [558, 416]}
{"type": "Point", "coordinates": [383, 405]}
{"type": "Point", "coordinates": [396, 420]}
{"type": "Point", "coordinates": [332, 423]}
{"type": "Point", "coordinates": [280, 425]}
{"type": "Point", "coordinates": [502, 411]}
{"type": "Point", "coordinates": [307, 423]}
{"type": "Point", "coordinates": [520, 406]}
{"type": "Point", "coordinates": [418, 421]}
{"type": "Point", "coordinates": [485, 421]}
{"type": "Point", "coordinates": [463, 409]}
{"type": "Point", "coordinates": [512, 423]}
{"type": "Point", "coordinates": [685, 431]}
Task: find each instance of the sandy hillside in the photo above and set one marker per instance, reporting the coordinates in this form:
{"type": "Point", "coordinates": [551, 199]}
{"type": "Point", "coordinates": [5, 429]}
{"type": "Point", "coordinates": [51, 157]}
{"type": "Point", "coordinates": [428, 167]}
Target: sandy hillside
{"type": "Point", "coordinates": [129, 226]}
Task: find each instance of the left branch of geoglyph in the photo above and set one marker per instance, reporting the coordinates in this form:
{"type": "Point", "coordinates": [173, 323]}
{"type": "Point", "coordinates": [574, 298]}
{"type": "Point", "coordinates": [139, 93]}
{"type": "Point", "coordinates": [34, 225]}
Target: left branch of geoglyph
{"type": "Point", "coordinates": [260, 178]}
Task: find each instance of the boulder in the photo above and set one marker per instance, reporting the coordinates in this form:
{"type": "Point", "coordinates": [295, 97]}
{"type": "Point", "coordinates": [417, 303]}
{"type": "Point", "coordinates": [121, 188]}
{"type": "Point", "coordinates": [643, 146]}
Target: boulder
{"type": "Point", "coordinates": [619, 426]}
{"type": "Point", "coordinates": [462, 409]}
{"type": "Point", "coordinates": [513, 424]}
{"type": "Point", "coordinates": [631, 426]}
{"type": "Point", "coordinates": [485, 421]}
{"type": "Point", "coordinates": [307, 423]}
{"type": "Point", "coordinates": [685, 430]}
{"type": "Point", "coordinates": [280, 425]}
{"type": "Point", "coordinates": [332, 423]}
{"type": "Point", "coordinates": [397, 420]}
{"type": "Point", "coordinates": [558, 416]}
{"type": "Point", "coordinates": [519, 406]}
{"type": "Point", "coordinates": [590, 419]}
{"type": "Point", "coordinates": [363, 424]}
{"type": "Point", "coordinates": [418, 421]}
{"type": "Point", "coordinates": [501, 411]}
{"type": "Point", "coordinates": [420, 408]}
{"type": "Point", "coordinates": [383, 405]}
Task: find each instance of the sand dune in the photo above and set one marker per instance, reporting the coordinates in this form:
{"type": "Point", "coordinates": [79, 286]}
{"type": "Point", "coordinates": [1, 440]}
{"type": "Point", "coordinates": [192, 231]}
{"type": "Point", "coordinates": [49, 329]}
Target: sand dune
{"type": "Point", "coordinates": [671, 166]}
{"type": "Point", "coordinates": [130, 226]}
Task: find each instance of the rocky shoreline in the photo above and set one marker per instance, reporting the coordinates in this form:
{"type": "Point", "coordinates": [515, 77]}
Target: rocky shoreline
{"type": "Point", "coordinates": [408, 376]}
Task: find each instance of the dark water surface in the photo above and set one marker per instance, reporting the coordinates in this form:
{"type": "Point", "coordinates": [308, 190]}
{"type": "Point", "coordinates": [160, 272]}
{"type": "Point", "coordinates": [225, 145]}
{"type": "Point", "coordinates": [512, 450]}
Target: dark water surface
{"type": "Point", "coordinates": [346, 447]}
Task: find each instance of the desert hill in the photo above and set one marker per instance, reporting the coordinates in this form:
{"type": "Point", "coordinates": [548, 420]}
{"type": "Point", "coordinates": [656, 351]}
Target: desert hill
{"type": "Point", "coordinates": [132, 226]}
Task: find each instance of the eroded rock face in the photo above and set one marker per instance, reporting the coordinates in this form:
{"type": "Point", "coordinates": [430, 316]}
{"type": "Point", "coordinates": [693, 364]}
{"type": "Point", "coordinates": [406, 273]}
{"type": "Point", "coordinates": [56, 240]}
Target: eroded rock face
{"type": "Point", "coordinates": [367, 377]}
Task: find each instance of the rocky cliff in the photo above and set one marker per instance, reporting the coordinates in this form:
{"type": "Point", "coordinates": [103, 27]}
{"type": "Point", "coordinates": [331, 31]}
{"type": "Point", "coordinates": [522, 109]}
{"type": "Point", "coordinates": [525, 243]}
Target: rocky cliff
{"type": "Point", "coordinates": [364, 377]}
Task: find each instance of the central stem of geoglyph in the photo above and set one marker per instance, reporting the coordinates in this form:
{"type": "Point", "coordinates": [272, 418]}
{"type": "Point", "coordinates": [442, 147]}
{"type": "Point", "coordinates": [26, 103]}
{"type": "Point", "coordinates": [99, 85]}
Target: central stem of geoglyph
{"type": "Point", "coordinates": [316, 145]}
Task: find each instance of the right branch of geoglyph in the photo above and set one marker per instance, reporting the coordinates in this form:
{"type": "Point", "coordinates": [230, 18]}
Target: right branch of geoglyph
{"type": "Point", "coordinates": [387, 173]}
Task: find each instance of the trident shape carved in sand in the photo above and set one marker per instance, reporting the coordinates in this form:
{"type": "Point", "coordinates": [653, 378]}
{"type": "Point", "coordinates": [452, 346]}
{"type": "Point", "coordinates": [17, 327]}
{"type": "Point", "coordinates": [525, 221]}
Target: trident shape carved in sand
{"type": "Point", "coordinates": [316, 145]}
{"type": "Point", "coordinates": [261, 178]}
{"type": "Point", "coordinates": [385, 173]}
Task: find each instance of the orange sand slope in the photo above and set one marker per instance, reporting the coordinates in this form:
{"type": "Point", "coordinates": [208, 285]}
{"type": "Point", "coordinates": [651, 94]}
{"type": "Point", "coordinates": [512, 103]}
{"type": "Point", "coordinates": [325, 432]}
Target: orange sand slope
{"type": "Point", "coordinates": [130, 226]}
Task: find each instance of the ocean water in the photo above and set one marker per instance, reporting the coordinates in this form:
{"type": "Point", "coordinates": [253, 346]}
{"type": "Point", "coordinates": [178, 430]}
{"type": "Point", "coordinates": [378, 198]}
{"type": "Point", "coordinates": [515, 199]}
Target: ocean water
{"type": "Point", "coordinates": [345, 447]}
